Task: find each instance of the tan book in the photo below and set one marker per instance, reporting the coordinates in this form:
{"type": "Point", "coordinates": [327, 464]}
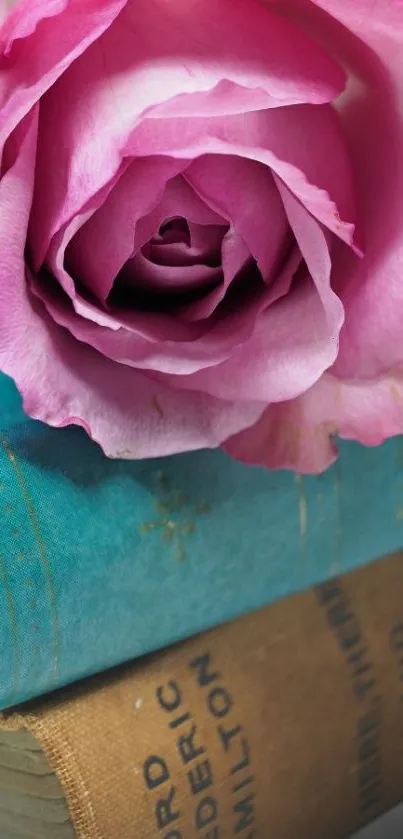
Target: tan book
{"type": "Point", "coordinates": [287, 723]}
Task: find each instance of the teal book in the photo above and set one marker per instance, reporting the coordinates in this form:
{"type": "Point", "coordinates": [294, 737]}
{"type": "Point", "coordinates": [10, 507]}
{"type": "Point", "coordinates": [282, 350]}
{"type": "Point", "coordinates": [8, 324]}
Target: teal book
{"type": "Point", "coordinates": [105, 560]}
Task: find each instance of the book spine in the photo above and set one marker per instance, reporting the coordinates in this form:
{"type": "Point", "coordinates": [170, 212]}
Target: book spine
{"type": "Point", "coordinates": [172, 547]}
{"type": "Point", "coordinates": [286, 723]}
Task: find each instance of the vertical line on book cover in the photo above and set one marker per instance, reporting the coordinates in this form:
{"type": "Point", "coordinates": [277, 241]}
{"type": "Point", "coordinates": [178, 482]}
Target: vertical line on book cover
{"type": "Point", "coordinates": [302, 515]}
{"type": "Point", "coordinates": [336, 566]}
{"type": "Point", "coordinates": [14, 630]}
{"type": "Point", "coordinates": [398, 483]}
{"type": "Point", "coordinates": [41, 549]}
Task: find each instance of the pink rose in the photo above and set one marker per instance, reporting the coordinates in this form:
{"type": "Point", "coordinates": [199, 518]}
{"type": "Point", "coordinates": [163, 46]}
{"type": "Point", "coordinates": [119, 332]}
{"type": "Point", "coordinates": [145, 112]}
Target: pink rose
{"type": "Point", "coordinates": [201, 222]}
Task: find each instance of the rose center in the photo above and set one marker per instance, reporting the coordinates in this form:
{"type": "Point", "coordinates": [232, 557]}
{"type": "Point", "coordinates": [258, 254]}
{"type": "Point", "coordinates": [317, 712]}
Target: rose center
{"type": "Point", "coordinates": [179, 264]}
{"type": "Point", "coordinates": [173, 230]}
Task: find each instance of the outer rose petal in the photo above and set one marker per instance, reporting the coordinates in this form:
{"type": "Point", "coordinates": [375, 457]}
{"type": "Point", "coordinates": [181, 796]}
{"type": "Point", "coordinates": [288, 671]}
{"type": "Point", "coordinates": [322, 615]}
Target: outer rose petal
{"type": "Point", "coordinates": [64, 382]}
{"type": "Point", "coordinates": [367, 36]}
{"type": "Point", "coordinates": [300, 434]}
{"type": "Point", "coordinates": [127, 413]}
{"type": "Point", "coordinates": [37, 42]}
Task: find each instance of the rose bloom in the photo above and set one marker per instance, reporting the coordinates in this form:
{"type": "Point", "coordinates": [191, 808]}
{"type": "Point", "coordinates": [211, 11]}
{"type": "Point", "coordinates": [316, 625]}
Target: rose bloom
{"type": "Point", "coordinates": [201, 222]}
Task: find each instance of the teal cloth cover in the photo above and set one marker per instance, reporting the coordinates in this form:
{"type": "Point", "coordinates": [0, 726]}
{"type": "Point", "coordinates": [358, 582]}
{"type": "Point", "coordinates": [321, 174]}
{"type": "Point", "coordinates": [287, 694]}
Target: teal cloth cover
{"type": "Point", "coordinates": [102, 560]}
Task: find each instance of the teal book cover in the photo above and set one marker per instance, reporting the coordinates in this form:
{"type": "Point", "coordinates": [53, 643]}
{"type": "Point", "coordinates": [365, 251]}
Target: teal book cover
{"type": "Point", "coordinates": [104, 560]}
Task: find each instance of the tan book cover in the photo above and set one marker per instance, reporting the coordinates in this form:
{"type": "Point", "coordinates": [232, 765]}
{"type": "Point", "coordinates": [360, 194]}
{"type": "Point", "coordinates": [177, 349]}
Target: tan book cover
{"type": "Point", "coordinates": [287, 723]}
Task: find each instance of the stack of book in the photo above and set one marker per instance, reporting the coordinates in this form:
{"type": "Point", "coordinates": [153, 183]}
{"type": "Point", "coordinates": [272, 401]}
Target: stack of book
{"type": "Point", "coordinates": [286, 721]}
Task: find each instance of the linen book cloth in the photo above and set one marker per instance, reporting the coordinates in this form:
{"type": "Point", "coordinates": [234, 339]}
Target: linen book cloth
{"type": "Point", "coordinates": [287, 722]}
{"type": "Point", "coordinates": [102, 561]}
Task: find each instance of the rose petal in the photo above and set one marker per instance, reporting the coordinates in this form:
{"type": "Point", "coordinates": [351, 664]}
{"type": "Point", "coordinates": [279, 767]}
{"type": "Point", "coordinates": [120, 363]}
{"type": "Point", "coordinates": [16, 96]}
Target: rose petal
{"type": "Point", "coordinates": [204, 247]}
{"type": "Point", "coordinates": [370, 42]}
{"type": "Point", "coordinates": [259, 218]}
{"type": "Point", "coordinates": [366, 37]}
{"type": "Point", "coordinates": [126, 412]}
{"type": "Point", "coordinates": [178, 199]}
{"type": "Point", "coordinates": [235, 255]}
{"type": "Point", "coordinates": [172, 255]}
{"type": "Point", "coordinates": [300, 434]}
{"type": "Point", "coordinates": [224, 98]}
{"type": "Point", "coordinates": [101, 246]}
{"type": "Point", "coordinates": [38, 41]}
{"type": "Point", "coordinates": [64, 382]}
{"type": "Point", "coordinates": [139, 274]}
{"type": "Point", "coordinates": [314, 248]}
